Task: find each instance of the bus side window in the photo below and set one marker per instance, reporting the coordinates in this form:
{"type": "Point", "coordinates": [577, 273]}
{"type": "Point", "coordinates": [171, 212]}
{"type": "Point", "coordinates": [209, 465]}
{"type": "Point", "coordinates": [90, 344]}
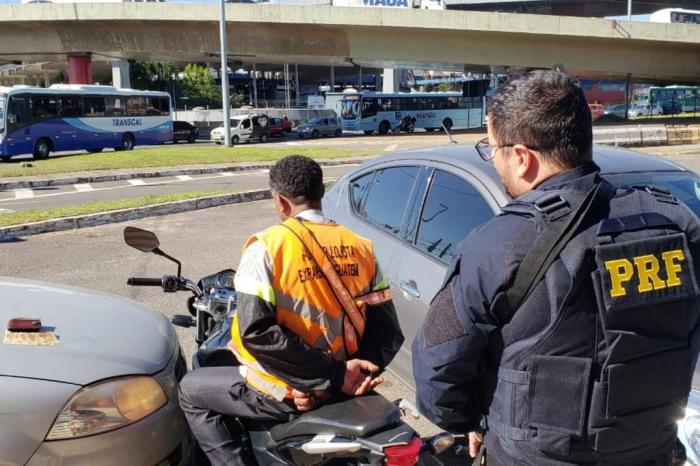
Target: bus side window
{"type": "Point", "coordinates": [71, 106]}
{"type": "Point", "coordinates": [114, 106]}
{"type": "Point", "coordinates": [369, 108]}
{"type": "Point", "coordinates": [136, 106]}
{"type": "Point", "coordinates": [94, 106]}
{"type": "Point", "coordinates": [42, 107]}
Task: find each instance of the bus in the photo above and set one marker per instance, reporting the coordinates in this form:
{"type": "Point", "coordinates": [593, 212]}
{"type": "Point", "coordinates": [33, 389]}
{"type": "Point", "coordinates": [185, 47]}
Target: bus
{"type": "Point", "coordinates": [381, 112]}
{"type": "Point", "coordinates": [675, 15]}
{"type": "Point", "coordinates": [670, 99]}
{"type": "Point", "coordinates": [38, 121]}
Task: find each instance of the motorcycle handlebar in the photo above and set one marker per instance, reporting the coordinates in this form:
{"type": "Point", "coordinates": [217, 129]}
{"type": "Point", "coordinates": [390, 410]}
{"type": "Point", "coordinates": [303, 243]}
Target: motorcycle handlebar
{"type": "Point", "coordinates": [136, 281]}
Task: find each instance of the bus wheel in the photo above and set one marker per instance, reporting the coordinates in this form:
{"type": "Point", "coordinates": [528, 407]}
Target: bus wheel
{"type": "Point", "coordinates": [127, 142]}
{"type": "Point", "coordinates": [368, 132]}
{"type": "Point", "coordinates": [384, 127]}
{"type": "Point", "coordinates": [42, 148]}
{"type": "Point", "coordinates": [447, 123]}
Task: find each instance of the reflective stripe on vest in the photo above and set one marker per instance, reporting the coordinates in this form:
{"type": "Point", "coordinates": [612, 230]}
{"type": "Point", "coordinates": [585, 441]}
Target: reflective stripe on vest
{"type": "Point", "coordinates": [305, 303]}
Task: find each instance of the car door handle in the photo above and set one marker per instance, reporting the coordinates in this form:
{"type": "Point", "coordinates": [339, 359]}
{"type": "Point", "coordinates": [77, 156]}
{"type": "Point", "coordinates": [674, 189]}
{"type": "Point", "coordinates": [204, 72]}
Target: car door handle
{"type": "Point", "coordinates": [410, 288]}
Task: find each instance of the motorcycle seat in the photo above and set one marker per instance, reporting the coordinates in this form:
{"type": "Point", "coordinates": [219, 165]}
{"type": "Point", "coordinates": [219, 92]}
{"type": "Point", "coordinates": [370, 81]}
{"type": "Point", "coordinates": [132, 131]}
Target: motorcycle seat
{"type": "Point", "coordinates": [357, 417]}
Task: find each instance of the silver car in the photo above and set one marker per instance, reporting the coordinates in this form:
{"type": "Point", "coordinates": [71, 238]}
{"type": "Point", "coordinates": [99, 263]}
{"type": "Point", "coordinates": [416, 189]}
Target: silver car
{"type": "Point", "coordinates": [317, 127]}
{"type": "Point", "coordinates": [418, 206]}
{"type": "Point", "coordinates": [102, 392]}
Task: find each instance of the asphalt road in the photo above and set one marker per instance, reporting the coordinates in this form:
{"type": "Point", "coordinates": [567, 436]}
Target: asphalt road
{"type": "Point", "coordinates": [60, 196]}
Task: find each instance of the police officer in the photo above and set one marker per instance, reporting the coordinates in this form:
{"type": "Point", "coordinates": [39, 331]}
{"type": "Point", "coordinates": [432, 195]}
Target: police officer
{"type": "Point", "coordinates": [314, 316]}
{"type": "Point", "coordinates": [567, 328]}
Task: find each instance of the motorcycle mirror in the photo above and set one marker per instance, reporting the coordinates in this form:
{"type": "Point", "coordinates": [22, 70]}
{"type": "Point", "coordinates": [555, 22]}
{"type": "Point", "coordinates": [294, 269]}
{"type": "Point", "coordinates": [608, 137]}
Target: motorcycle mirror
{"type": "Point", "coordinates": [143, 240]}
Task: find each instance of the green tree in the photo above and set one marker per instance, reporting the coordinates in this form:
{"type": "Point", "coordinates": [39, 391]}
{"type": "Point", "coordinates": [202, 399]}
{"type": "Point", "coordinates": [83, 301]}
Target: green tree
{"type": "Point", "coordinates": [238, 100]}
{"type": "Point", "coordinates": [199, 86]}
{"type": "Point", "coordinates": [152, 76]}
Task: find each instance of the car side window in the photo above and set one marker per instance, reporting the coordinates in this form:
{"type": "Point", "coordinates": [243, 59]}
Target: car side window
{"type": "Point", "coordinates": [387, 197]}
{"type": "Point", "coordinates": [358, 189]}
{"type": "Point", "coordinates": [453, 208]}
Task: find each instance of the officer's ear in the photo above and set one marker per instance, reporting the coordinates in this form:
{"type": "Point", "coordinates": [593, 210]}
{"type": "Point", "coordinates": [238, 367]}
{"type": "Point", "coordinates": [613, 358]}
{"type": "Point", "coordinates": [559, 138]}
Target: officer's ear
{"type": "Point", "coordinates": [284, 207]}
{"type": "Point", "coordinates": [526, 162]}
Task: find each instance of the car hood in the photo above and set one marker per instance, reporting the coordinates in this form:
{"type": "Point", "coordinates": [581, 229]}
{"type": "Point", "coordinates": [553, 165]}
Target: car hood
{"type": "Point", "coordinates": [99, 335]}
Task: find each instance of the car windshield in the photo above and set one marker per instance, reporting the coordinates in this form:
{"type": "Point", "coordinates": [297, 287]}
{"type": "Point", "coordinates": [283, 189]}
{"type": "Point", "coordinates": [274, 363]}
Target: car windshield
{"type": "Point", "coordinates": [2, 112]}
{"type": "Point", "coordinates": [235, 122]}
{"type": "Point", "coordinates": [684, 186]}
{"type": "Point", "coordinates": [314, 121]}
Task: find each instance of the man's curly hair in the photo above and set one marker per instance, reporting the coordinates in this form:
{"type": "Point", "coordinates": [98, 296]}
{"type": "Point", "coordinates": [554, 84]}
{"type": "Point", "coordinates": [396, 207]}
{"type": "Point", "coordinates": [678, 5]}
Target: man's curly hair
{"type": "Point", "coordinates": [298, 178]}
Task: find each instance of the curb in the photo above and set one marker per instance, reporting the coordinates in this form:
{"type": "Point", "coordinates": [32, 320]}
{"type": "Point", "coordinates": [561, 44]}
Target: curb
{"type": "Point", "coordinates": [21, 184]}
{"type": "Point", "coordinates": [116, 216]}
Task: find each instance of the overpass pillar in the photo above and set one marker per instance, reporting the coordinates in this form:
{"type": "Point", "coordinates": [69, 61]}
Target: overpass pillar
{"type": "Point", "coordinates": [391, 80]}
{"type": "Point", "coordinates": [120, 74]}
{"type": "Point", "coordinates": [80, 69]}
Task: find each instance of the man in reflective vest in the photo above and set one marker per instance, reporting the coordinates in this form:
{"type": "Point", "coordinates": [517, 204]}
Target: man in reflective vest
{"type": "Point", "coordinates": [314, 317]}
{"type": "Point", "coordinates": [568, 326]}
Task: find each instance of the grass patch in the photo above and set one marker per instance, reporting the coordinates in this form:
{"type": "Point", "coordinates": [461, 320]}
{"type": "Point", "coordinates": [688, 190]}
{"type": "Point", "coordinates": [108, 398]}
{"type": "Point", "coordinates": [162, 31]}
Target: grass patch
{"type": "Point", "coordinates": [167, 156]}
{"type": "Point", "coordinates": [29, 216]}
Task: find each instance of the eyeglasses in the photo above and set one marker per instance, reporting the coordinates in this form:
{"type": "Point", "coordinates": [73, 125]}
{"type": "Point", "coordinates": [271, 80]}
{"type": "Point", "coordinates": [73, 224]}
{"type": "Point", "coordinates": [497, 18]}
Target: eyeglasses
{"type": "Point", "coordinates": [486, 151]}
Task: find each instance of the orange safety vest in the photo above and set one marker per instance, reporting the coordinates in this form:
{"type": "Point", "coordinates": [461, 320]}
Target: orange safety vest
{"type": "Point", "coordinates": [306, 304]}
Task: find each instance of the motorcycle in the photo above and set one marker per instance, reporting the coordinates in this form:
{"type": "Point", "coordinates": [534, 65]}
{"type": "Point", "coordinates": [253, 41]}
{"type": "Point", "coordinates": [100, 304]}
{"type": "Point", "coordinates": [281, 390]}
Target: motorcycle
{"type": "Point", "coordinates": [407, 125]}
{"type": "Point", "coordinates": [366, 430]}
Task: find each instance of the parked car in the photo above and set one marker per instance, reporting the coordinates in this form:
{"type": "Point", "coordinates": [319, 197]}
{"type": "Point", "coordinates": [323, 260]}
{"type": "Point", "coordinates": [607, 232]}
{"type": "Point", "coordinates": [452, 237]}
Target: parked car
{"type": "Point", "coordinates": [244, 128]}
{"type": "Point", "coordinates": [617, 109]}
{"type": "Point", "coordinates": [645, 110]}
{"type": "Point", "coordinates": [184, 131]}
{"type": "Point", "coordinates": [279, 127]}
{"type": "Point", "coordinates": [317, 127]}
{"type": "Point", "coordinates": [418, 206]}
{"type": "Point", "coordinates": [105, 391]}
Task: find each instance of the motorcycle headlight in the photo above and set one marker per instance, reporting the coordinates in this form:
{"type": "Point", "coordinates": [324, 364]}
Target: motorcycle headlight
{"type": "Point", "coordinates": [107, 406]}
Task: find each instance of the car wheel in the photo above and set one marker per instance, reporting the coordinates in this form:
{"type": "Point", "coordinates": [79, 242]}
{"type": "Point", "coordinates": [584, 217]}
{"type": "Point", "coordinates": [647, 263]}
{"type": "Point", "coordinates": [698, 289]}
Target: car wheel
{"type": "Point", "coordinates": [315, 134]}
{"type": "Point", "coordinates": [235, 140]}
{"type": "Point", "coordinates": [175, 141]}
{"type": "Point", "coordinates": [191, 140]}
{"type": "Point", "coordinates": [384, 127]}
{"type": "Point", "coordinates": [263, 138]}
{"type": "Point", "coordinates": [338, 132]}
{"type": "Point", "coordinates": [368, 132]}
{"type": "Point", "coordinates": [42, 149]}
{"type": "Point", "coordinates": [447, 123]}
{"type": "Point", "coordinates": [285, 133]}
{"type": "Point", "coordinates": [127, 142]}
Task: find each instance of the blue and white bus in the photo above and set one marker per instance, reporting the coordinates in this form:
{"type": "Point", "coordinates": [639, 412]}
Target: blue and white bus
{"type": "Point", "coordinates": [380, 112]}
{"type": "Point", "coordinates": [62, 117]}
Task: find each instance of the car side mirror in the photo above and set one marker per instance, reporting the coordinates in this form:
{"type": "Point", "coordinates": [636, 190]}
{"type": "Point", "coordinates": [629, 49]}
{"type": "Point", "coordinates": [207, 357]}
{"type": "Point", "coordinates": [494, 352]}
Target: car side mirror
{"type": "Point", "coordinates": [143, 240]}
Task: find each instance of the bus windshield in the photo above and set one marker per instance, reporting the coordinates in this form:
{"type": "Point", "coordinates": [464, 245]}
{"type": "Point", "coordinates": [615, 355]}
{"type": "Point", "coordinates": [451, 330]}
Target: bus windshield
{"type": "Point", "coordinates": [349, 109]}
{"type": "Point", "coordinates": [2, 113]}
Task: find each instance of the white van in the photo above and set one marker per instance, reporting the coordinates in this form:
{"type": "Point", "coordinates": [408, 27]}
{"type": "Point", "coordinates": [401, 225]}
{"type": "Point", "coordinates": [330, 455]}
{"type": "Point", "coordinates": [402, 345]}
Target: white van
{"type": "Point", "coordinates": [251, 127]}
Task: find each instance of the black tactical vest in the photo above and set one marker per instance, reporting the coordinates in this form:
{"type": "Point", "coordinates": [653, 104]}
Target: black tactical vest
{"type": "Point", "coordinates": [608, 375]}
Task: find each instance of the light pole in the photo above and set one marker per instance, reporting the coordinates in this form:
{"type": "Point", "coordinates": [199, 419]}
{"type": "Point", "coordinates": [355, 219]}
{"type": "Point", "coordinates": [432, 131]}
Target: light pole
{"type": "Point", "coordinates": [224, 76]}
{"type": "Point", "coordinates": [629, 10]}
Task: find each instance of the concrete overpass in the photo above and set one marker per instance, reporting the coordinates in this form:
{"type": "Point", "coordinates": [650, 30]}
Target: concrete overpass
{"type": "Point", "coordinates": [373, 38]}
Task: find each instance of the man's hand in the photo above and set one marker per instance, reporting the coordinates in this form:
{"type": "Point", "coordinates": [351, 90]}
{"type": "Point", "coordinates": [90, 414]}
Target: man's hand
{"type": "Point", "coordinates": [358, 377]}
{"type": "Point", "coordinates": [308, 401]}
{"type": "Point", "coordinates": [475, 441]}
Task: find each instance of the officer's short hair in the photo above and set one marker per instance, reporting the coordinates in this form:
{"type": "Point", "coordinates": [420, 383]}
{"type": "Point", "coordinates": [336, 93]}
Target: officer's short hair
{"type": "Point", "coordinates": [546, 111]}
{"type": "Point", "coordinates": [298, 178]}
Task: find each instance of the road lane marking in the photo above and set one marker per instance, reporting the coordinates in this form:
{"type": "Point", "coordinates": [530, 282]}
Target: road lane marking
{"type": "Point", "coordinates": [23, 193]}
{"type": "Point", "coordinates": [138, 182]}
{"type": "Point", "coordinates": [83, 187]}
{"type": "Point", "coordinates": [391, 148]}
{"type": "Point", "coordinates": [6, 211]}
{"type": "Point", "coordinates": [183, 177]}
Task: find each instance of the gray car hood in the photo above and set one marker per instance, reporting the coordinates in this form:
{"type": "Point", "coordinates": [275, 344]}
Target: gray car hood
{"type": "Point", "coordinates": [100, 335]}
